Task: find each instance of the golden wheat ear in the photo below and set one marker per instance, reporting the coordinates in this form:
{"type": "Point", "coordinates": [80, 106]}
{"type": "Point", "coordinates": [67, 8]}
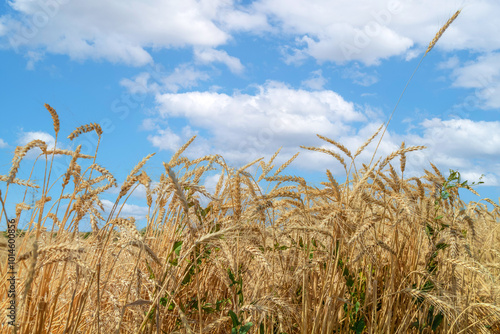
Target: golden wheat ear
{"type": "Point", "coordinates": [55, 117]}
{"type": "Point", "coordinates": [441, 31]}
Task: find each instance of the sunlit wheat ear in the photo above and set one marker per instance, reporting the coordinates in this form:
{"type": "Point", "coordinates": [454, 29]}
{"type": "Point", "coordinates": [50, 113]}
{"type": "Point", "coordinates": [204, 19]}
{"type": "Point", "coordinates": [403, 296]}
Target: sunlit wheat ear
{"type": "Point", "coordinates": [441, 31]}
{"type": "Point", "coordinates": [402, 158]}
{"type": "Point", "coordinates": [55, 118]}
{"type": "Point", "coordinates": [71, 165]}
{"type": "Point", "coordinates": [366, 143]}
{"type": "Point", "coordinates": [286, 164]}
{"type": "Point", "coordinates": [398, 152]}
{"type": "Point", "coordinates": [128, 228]}
{"type": "Point", "coordinates": [339, 145]}
{"type": "Point", "coordinates": [20, 153]}
{"type": "Point", "coordinates": [84, 129]}
{"type": "Point", "coordinates": [17, 181]}
{"type": "Point", "coordinates": [173, 161]}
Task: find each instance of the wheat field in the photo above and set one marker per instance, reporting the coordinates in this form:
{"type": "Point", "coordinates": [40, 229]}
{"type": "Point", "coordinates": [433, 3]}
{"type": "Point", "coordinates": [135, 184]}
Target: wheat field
{"type": "Point", "coordinates": [265, 252]}
{"type": "Point", "coordinates": [380, 253]}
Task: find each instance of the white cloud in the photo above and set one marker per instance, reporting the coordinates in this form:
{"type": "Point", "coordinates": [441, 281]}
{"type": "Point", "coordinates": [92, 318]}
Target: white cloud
{"type": "Point", "coordinates": [451, 63]}
{"type": "Point", "coordinates": [207, 56]}
{"type": "Point", "coordinates": [128, 210]}
{"type": "Point", "coordinates": [33, 58]}
{"type": "Point", "coordinates": [245, 126]}
{"type": "Point", "coordinates": [460, 144]}
{"type": "Point", "coordinates": [366, 31]}
{"type": "Point", "coordinates": [26, 137]}
{"type": "Point", "coordinates": [482, 75]}
{"type": "Point", "coordinates": [359, 77]}
{"type": "Point", "coordinates": [115, 31]}
{"type": "Point", "coordinates": [316, 82]}
{"type": "Point", "coordinates": [157, 81]}
{"type": "Point", "coordinates": [3, 144]}
{"type": "Point", "coordinates": [369, 30]}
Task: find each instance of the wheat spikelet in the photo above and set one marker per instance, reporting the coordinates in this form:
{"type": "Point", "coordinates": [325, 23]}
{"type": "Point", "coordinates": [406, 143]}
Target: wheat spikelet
{"type": "Point", "coordinates": [173, 161]}
{"type": "Point", "coordinates": [334, 185]}
{"type": "Point", "coordinates": [398, 152]}
{"type": "Point", "coordinates": [323, 150]}
{"type": "Point", "coordinates": [402, 158]}
{"type": "Point", "coordinates": [84, 129]}
{"type": "Point", "coordinates": [129, 182]}
{"type": "Point", "coordinates": [287, 178]}
{"type": "Point", "coordinates": [68, 152]}
{"type": "Point", "coordinates": [362, 181]}
{"type": "Point", "coordinates": [466, 265]}
{"type": "Point", "coordinates": [267, 167]}
{"type": "Point", "coordinates": [20, 153]}
{"type": "Point", "coordinates": [339, 145]}
{"type": "Point", "coordinates": [210, 327]}
{"type": "Point", "coordinates": [93, 224]}
{"type": "Point", "coordinates": [20, 182]}
{"type": "Point", "coordinates": [241, 169]}
{"type": "Point", "coordinates": [438, 303]}
{"type": "Point", "coordinates": [149, 251]}
{"type": "Point", "coordinates": [441, 32]}
{"type": "Point", "coordinates": [216, 235]}
{"type": "Point", "coordinates": [360, 232]}
{"type": "Point", "coordinates": [140, 164]}
{"type": "Point", "coordinates": [128, 227]}
{"type": "Point", "coordinates": [55, 118]}
{"type": "Point", "coordinates": [366, 143]}
{"type": "Point", "coordinates": [104, 172]}
{"type": "Point", "coordinates": [20, 207]}
{"type": "Point", "coordinates": [285, 165]}
{"type": "Point", "coordinates": [71, 165]}
{"type": "Point", "coordinates": [259, 257]}
{"type": "Point", "coordinates": [236, 196]}
{"type": "Point", "coordinates": [41, 202]}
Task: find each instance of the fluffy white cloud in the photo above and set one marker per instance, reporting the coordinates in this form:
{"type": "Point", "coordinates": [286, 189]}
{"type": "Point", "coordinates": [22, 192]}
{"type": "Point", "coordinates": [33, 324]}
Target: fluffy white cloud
{"type": "Point", "coordinates": [3, 143]}
{"type": "Point", "coordinates": [482, 75]}
{"type": "Point", "coordinates": [155, 80]}
{"type": "Point", "coordinates": [316, 82]}
{"type": "Point", "coordinates": [367, 31]}
{"type": "Point", "coordinates": [244, 126]}
{"type": "Point", "coordinates": [115, 31]}
{"type": "Point", "coordinates": [372, 30]}
{"type": "Point", "coordinates": [207, 56]}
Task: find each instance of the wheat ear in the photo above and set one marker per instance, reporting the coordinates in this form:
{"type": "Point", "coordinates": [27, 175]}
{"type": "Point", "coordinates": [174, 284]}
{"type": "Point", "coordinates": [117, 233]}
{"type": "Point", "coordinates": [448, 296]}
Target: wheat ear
{"type": "Point", "coordinates": [441, 31]}
{"type": "Point", "coordinates": [55, 118]}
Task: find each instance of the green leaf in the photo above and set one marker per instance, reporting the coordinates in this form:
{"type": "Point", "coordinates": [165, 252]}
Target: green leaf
{"type": "Point", "coordinates": [231, 277]}
{"type": "Point", "coordinates": [359, 326]}
{"type": "Point", "coordinates": [356, 307]}
{"type": "Point", "coordinates": [177, 247]}
{"type": "Point", "coordinates": [246, 327]}
{"type": "Point", "coordinates": [234, 318]}
{"type": "Point", "coordinates": [437, 321]}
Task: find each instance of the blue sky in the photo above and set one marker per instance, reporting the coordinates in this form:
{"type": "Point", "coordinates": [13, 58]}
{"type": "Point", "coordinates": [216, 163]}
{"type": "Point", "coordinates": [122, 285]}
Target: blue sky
{"type": "Point", "coordinates": [248, 77]}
